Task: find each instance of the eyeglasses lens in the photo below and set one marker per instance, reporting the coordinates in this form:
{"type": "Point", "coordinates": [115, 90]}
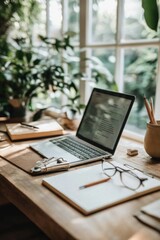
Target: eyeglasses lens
{"type": "Point", "coordinates": [130, 180]}
{"type": "Point", "coordinates": [108, 169]}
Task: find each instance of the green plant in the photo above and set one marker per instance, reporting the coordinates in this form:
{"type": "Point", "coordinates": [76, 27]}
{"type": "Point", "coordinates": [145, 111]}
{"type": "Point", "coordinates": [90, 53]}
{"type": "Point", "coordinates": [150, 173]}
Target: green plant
{"type": "Point", "coordinates": [143, 71]}
{"type": "Point", "coordinates": [51, 67]}
{"type": "Point", "coordinates": [140, 80]}
{"type": "Point", "coordinates": [16, 11]}
{"type": "Point", "coordinates": [151, 13]}
{"type": "Point", "coordinates": [27, 72]}
{"type": "Point", "coordinates": [70, 60]}
{"type": "Point", "coordinates": [21, 14]}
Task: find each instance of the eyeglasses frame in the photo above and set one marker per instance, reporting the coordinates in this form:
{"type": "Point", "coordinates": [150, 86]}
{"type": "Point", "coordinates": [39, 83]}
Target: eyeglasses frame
{"type": "Point", "coordinates": [121, 170]}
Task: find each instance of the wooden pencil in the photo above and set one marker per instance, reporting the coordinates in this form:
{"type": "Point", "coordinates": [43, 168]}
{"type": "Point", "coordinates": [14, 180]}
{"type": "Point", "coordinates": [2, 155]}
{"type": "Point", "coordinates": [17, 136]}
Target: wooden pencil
{"type": "Point", "coordinates": [152, 110]}
{"type": "Point", "coordinates": [150, 115]}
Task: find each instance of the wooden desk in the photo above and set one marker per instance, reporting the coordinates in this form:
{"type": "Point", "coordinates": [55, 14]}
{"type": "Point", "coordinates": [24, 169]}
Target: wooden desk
{"type": "Point", "coordinates": [59, 220]}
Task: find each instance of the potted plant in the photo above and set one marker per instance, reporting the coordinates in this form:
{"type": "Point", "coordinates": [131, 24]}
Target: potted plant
{"type": "Point", "coordinates": [30, 70]}
{"type": "Point", "coordinates": [12, 12]}
{"type": "Point", "coordinates": [27, 72]}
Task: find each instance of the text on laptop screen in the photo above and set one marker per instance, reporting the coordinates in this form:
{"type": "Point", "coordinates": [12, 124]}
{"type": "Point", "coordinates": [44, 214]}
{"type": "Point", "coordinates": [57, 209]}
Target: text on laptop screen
{"type": "Point", "coordinates": [103, 119]}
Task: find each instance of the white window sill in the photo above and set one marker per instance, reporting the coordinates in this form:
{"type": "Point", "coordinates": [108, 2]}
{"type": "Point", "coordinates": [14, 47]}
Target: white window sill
{"type": "Point", "coordinates": [133, 136]}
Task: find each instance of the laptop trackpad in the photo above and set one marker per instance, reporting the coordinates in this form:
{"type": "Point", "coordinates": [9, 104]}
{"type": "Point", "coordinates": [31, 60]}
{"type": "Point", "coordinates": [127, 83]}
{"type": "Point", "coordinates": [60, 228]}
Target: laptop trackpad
{"type": "Point", "coordinates": [48, 150]}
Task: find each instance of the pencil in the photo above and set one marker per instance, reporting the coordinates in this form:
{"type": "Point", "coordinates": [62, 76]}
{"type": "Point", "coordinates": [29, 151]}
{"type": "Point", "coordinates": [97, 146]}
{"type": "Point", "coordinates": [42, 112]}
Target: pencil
{"type": "Point", "coordinates": [150, 115]}
{"type": "Point", "coordinates": [152, 110]}
{"type": "Point", "coordinates": [94, 183]}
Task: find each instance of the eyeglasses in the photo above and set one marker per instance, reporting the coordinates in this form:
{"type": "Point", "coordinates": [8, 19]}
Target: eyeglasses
{"type": "Point", "coordinates": [128, 178]}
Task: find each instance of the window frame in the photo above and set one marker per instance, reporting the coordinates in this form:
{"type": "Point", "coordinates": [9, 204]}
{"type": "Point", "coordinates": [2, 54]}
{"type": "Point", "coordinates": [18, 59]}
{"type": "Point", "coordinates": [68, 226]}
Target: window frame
{"type": "Point", "coordinates": [85, 19]}
{"type": "Point", "coordinates": [119, 45]}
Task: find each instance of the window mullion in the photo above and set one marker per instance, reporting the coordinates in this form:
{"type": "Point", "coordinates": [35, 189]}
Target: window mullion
{"type": "Point", "coordinates": [65, 16]}
{"type": "Point", "coordinates": [47, 17]}
{"type": "Point", "coordinates": [157, 95]}
{"type": "Point", "coordinates": [119, 67]}
{"type": "Point", "coordinates": [85, 25]}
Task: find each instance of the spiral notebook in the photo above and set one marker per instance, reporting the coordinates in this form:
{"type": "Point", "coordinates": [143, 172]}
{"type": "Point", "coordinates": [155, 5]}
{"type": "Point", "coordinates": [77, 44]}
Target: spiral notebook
{"type": "Point", "coordinates": [92, 199]}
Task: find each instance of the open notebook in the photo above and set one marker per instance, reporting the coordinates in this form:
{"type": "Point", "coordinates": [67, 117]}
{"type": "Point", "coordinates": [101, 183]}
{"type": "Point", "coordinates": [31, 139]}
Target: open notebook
{"type": "Point", "coordinates": [44, 128]}
{"type": "Point", "coordinates": [89, 200]}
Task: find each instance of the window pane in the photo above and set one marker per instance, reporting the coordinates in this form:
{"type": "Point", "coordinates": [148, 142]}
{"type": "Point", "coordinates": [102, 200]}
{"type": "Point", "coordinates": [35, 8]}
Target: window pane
{"type": "Point", "coordinates": [103, 21]}
{"type": "Point", "coordinates": [73, 18]}
{"type": "Point", "coordinates": [40, 25]}
{"type": "Point", "coordinates": [103, 67]}
{"type": "Point", "coordinates": [134, 24]}
{"type": "Point", "coordinates": [28, 22]}
{"type": "Point", "coordinates": [55, 18]}
{"type": "Point", "coordinates": [140, 80]}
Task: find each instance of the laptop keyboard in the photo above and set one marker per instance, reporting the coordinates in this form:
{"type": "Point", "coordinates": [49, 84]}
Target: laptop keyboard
{"type": "Point", "coordinates": [78, 149]}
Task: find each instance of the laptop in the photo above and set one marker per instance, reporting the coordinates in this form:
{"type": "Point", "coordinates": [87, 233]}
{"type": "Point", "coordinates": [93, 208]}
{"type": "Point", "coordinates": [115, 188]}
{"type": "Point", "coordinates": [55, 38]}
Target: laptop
{"type": "Point", "coordinates": [98, 133]}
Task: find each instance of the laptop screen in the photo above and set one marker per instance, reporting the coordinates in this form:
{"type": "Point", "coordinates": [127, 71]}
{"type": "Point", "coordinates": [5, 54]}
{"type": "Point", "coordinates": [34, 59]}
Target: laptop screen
{"type": "Point", "coordinates": [104, 118]}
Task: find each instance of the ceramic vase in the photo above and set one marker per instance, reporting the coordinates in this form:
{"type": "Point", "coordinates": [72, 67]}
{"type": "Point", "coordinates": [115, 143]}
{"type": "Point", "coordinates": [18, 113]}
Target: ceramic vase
{"type": "Point", "coordinates": [152, 140]}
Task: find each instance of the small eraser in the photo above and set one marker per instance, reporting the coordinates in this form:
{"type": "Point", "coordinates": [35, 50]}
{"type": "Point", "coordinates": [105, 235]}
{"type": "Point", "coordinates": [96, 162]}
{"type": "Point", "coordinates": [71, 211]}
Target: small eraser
{"type": "Point", "coordinates": [132, 152]}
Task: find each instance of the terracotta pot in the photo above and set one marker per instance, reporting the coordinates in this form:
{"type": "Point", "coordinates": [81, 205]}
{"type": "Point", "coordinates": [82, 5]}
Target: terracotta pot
{"type": "Point", "coordinates": [17, 108]}
{"type": "Point", "coordinates": [152, 140]}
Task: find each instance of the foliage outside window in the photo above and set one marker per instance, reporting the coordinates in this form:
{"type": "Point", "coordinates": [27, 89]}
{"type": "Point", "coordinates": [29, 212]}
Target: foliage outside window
{"type": "Point", "coordinates": [120, 37]}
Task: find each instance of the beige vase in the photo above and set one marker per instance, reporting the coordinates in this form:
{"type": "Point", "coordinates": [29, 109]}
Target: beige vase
{"type": "Point", "coordinates": [152, 140]}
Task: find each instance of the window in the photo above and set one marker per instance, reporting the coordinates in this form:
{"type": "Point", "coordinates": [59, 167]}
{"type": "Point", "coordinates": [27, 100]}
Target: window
{"type": "Point", "coordinates": [113, 31]}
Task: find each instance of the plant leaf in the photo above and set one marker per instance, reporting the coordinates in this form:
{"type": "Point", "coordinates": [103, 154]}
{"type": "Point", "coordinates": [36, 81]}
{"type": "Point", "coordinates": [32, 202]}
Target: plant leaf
{"type": "Point", "coordinates": [151, 13]}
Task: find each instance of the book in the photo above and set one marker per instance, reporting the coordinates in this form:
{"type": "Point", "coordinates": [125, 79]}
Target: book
{"type": "Point", "coordinates": [38, 129]}
{"type": "Point", "coordinates": [148, 220]}
{"type": "Point", "coordinates": [150, 215]}
{"type": "Point", "coordinates": [97, 197]}
{"type": "Point", "coordinates": [152, 209]}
